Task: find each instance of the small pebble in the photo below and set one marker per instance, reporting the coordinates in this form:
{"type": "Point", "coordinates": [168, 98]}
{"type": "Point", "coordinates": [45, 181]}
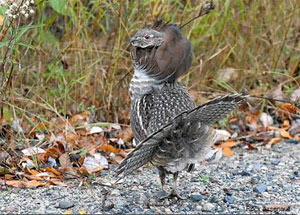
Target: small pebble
{"type": "Point", "coordinates": [65, 204]}
{"type": "Point", "coordinates": [208, 207]}
{"type": "Point", "coordinates": [108, 205]}
{"type": "Point", "coordinates": [213, 199]}
{"type": "Point", "coordinates": [197, 198]}
{"type": "Point", "coordinates": [254, 180]}
{"type": "Point", "coordinates": [260, 188]}
{"type": "Point", "coordinates": [228, 199]}
{"type": "Point", "coordinates": [293, 141]}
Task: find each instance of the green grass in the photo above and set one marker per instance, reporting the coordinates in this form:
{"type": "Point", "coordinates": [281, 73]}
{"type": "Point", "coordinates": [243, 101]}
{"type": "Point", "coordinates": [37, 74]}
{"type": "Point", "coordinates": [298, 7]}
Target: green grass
{"type": "Point", "coordinates": [259, 39]}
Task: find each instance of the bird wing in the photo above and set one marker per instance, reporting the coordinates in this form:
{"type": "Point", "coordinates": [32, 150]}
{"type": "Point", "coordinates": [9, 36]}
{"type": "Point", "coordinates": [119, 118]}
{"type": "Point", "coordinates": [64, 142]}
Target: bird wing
{"type": "Point", "coordinates": [207, 114]}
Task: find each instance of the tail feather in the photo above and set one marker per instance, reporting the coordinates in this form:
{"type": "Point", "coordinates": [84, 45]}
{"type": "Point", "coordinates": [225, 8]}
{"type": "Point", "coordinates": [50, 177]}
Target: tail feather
{"type": "Point", "coordinates": [207, 113]}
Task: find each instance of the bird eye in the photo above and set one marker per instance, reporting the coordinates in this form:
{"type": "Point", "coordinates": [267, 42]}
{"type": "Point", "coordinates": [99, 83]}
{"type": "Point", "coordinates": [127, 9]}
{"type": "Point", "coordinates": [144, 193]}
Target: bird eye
{"type": "Point", "coordinates": [147, 37]}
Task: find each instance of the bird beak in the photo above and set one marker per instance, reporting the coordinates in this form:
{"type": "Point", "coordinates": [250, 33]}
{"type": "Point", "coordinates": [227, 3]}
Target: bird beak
{"type": "Point", "coordinates": [132, 40]}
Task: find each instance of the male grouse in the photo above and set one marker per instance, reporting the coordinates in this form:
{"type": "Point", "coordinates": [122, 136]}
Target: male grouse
{"type": "Point", "coordinates": [170, 131]}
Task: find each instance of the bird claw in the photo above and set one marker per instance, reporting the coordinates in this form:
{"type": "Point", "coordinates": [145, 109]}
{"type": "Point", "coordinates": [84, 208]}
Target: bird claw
{"type": "Point", "coordinates": [175, 194]}
{"type": "Point", "coordinates": [163, 195]}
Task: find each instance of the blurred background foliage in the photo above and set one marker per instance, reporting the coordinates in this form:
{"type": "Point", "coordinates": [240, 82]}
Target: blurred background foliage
{"type": "Point", "coordinates": [73, 55]}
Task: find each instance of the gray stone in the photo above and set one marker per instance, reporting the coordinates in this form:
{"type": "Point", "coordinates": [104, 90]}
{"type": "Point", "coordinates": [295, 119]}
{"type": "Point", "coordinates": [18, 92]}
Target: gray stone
{"type": "Point", "coordinates": [65, 204]}
{"type": "Point", "coordinates": [208, 207]}
{"type": "Point", "coordinates": [260, 188]}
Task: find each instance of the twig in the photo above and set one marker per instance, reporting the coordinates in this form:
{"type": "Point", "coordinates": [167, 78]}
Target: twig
{"type": "Point", "coordinates": [205, 9]}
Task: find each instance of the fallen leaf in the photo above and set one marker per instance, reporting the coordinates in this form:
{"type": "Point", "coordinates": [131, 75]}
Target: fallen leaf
{"type": "Point", "coordinates": [53, 152]}
{"type": "Point", "coordinates": [266, 119]}
{"type": "Point", "coordinates": [109, 148]}
{"type": "Point", "coordinates": [94, 163]}
{"type": "Point", "coordinates": [295, 96]}
{"type": "Point", "coordinates": [4, 171]}
{"type": "Point", "coordinates": [285, 134]}
{"type": "Point", "coordinates": [272, 142]}
{"type": "Point", "coordinates": [289, 107]}
{"type": "Point", "coordinates": [24, 184]}
{"type": "Point", "coordinates": [227, 152]}
{"type": "Point", "coordinates": [33, 151]}
{"type": "Point", "coordinates": [82, 170]}
{"type": "Point", "coordinates": [214, 155]}
{"type": "Point", "coordinates": [54, 171]}
{"type": "Point", "coordinates": [286, 124]}
{"type": "Point", "coordinates": [229, 143]}
{"type": "Point", "coordinates": [67, 212]}
{"type": "Point", "coordinates": [222, 135]}
{"type": "Point", "coordinates": [127, 135]}
{"type": "Point", "coordinates": [32, 171]}
{"type": "Point", "coordinates": [95, 130]}
{"type": "Point", "coordinates": [251, 147]}
{"type": "Point", "coordinates": [32, 177]}
{"type": "Point", "coordinates": [65, 162]}
{"type": "Point", "coordinates": [57, 182]}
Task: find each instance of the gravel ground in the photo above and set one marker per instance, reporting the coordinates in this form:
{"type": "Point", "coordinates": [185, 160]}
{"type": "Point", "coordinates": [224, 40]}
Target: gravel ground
{"type": "Point", "coordinates": [247, 182]}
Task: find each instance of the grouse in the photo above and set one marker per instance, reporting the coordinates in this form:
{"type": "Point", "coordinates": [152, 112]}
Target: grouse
{"type": "Point", "coordinates": [169, 130]}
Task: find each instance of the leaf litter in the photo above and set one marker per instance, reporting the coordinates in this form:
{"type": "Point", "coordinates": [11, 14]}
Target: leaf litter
{"type": "Point", "coordinates": [62, 149]}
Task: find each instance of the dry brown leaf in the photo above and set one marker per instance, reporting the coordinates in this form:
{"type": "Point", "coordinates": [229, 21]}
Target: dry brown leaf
{"type": "Point", "coordinates": [83, 171]}
{"type": "Point", "coordinates": [229, 143]}
{"type": "Point", "coordinates": [127, 135]}
{"type": "Point", "coordinates": [289, 107]}
{"type": "Point", "coordinates": [286, 124]}
{"type": "Point", "coordinates": [109, 148]}
{"type": "Point", "coordinates": [8, 177]}
{"type": "Point", "coordinates": [24, 184]}
{"type": "Point", "coordinates": [53, 152]}
{"type": "Point", "coordinates": [272, 142]}
{"type": "Point", "coordinates": [227, 152]}
{"type": "Point", "coordinates": [117, 159]}
{"type": "Point", "coordinates": [251, 147]}
{"type": "Point", "coordinates": [54, 171]}
{"type": "Point", "coordinates": [285, 134]}
{"type": "Point", "coordinates": [31, 171]}
{"type": "Point", "coordinates": [65, 162]}
{"type": "Point", "coordinates": [32, 177]}
{"type": "Point", "coordinates": [57, 182]}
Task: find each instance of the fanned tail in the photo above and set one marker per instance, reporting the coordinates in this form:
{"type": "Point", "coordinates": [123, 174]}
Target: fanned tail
{"type": "Point", "coordinates": [207, 114]}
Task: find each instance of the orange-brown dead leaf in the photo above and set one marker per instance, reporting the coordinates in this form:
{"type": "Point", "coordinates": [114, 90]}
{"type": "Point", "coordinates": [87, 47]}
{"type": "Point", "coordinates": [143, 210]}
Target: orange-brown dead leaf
{"type": "Point", "coordinates": [65, 163]}
{"type": "Point", "coordinates": [286, 124]}
{"type": "Point", "coordinates": [109, 148]}
{"type": "Point", "coordinates": [32, 177]}
{"type": "Point", "coordinates": [53, 152]}
{"type": "Point", "coordinates": [285, 134]}
{"type": "Point", "coordinates": [229, 143]}
{"type": "Point", "coordinates": [251, 147]}
{"type": "Point", "coordinates": [54, 171]}
{"type": "Point", "coordinates": [289, 107]}
{"type": "Point", "coordinates": [83, 171]}
{"type": "Point", "coordinates": [24, 184]}
{"type": "Point", "coordinates": [227, 152]}
{"type": "Point", "coordinates": [57, 182]}
{"type": "Point", "coordinates": [31, 171]}
{"type": "Point", "coordinates": [272, 142]}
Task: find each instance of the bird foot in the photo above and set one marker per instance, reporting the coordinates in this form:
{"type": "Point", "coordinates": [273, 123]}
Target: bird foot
{"type": "Point", "coordinates": [163, 195]}
{"type": "Point", "coordinates": [175, 194]}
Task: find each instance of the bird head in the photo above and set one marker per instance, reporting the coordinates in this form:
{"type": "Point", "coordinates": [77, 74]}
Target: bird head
{"type": "Point", "coordinates": [147, 38]}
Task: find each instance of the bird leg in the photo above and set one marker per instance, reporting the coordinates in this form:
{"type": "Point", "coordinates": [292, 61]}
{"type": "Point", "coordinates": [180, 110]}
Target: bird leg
{"type": "Point", "coordinates": [174, 190]}
{"type": "Point", "coordinates": [162, 175]}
